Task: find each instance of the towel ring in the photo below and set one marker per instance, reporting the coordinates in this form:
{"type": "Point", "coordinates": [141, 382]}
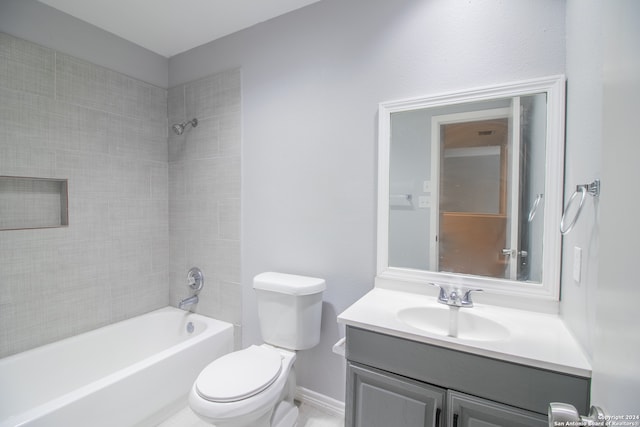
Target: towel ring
{"type": "Point", "coordinates": [583, 189]}
{"type": "Point", "coordinates": [534, 208]}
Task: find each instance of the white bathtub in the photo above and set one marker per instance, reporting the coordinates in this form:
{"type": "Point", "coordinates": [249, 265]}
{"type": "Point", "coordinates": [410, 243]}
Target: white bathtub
{"type": "Point", "coordinates": [131, 373]}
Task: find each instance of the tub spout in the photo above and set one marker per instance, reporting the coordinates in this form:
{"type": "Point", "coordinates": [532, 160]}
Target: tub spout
{"type": "Point", "coordinates": [188, 302]}
{"type": "Point", "coordinates": [195, 281]}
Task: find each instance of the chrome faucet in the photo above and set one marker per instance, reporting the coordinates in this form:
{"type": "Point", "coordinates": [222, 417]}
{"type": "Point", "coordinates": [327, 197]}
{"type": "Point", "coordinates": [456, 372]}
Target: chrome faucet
{"type": "Point", "coordinates": [188, 302]}
{"type": "Point", "coordinates": [195, 280]}
{"type": "Point", "coordinates": [452, 296]}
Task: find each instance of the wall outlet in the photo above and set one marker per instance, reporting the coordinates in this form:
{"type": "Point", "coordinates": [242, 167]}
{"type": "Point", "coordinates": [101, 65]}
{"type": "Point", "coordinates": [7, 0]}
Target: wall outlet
{"type": "Point", "coordinates": [577, 263]}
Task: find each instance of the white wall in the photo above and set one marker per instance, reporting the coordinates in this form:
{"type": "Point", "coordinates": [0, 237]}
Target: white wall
{"type": "Point", "coordinates": [603, 65]}
{"type": "Point", "coordinates": [312, 80]}
{"type": "Point", "coordinates": [616, 379]}
{"type": "Point", "coordinates": [583, 161]}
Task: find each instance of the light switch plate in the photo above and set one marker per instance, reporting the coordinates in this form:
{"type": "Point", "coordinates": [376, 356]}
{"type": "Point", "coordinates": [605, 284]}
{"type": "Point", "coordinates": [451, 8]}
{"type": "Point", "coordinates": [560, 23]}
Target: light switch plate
{"type": "Point", "coordinates": [424, 202]}
{"type": "Point", "coordinates": [577, 263]}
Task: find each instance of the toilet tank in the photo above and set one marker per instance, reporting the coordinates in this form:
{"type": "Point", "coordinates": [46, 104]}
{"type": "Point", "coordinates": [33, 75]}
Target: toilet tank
{"type": "Point", "coordinates": [289, 309]}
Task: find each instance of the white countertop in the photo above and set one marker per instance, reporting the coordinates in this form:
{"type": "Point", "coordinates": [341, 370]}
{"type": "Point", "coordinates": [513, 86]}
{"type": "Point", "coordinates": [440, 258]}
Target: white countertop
{"type": "Point", "coordinates": [535, 339]}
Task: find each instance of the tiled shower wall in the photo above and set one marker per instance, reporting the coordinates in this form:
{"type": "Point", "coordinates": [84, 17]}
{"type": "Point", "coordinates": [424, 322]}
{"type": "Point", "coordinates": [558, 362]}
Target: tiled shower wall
{"type": "Point", "coordinates": [61, 117]}
{"type": "Point", "coordinates": [204, 194]}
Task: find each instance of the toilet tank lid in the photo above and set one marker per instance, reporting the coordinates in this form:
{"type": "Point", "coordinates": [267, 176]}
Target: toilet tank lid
{"type": "Point", "coordinates": [290, 284]}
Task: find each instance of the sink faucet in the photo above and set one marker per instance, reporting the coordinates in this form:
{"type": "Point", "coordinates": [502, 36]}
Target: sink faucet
{"type": "Point", "coordinates": [455, 297]}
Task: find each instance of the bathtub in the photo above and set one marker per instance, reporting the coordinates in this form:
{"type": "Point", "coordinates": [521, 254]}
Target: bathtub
{"type": "Point", "coordinates": [132, 373]}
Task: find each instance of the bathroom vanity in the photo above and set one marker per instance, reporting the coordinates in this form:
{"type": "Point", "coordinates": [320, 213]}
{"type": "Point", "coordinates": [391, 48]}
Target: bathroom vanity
{"type": "Point", "coordinates": [469, 198]}
{"type": "Point", "coordinates": [403, 375]}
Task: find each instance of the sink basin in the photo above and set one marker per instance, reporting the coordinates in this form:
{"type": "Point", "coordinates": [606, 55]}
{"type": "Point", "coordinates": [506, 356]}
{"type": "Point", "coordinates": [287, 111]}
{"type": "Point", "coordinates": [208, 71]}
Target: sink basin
{"type": "Point", "coordinates": [442, 321]}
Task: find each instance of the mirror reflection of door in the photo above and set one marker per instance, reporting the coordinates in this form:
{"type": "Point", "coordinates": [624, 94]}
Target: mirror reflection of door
{"type": "Point", "coordinates": [475, 210]}
{"type": "Point", "coordinates": [467, 188]}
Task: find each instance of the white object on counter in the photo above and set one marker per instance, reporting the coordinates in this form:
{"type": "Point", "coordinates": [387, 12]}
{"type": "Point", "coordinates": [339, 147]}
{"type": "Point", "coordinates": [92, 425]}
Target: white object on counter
{"type": "Point", "coordinates": [339, 347]}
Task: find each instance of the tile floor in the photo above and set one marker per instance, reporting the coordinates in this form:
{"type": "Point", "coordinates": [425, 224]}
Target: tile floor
{"type": "Point", "coordinates": [309, 417]}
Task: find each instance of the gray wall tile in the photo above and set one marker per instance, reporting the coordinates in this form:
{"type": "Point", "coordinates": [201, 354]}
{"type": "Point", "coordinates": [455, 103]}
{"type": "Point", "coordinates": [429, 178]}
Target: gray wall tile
{"type": "Point", "coordinates": [215, 95]}
{"type": "Point", "coordinates": [175, 104]}
{"type": "Point", "coordinates": [26, 67]}
{"type": "Point", "coordinates": [25, 117]}
{"type": "Point", "coordinates": [28, 203]}
{"type": "Point", "coordinates": [204, 193]}
{"type": "Point", "coordinates": [81, 83]}
{"type": "Point", "coordinates": [141, 212]}
{"type": "Point", "coordinates": [107, 134]}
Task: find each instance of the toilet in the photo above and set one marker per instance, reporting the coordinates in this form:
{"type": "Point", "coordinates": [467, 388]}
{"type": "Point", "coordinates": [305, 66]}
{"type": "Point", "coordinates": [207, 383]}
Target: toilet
{"type": "Point", "coordinates": [255, 386]}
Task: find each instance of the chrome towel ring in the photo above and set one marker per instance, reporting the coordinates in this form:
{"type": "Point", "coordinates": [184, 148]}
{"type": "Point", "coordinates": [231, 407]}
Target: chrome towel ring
{"type": "Point", "coordinates": [592, 189]}
{"type": "Point", "coordinates": [534, 208]}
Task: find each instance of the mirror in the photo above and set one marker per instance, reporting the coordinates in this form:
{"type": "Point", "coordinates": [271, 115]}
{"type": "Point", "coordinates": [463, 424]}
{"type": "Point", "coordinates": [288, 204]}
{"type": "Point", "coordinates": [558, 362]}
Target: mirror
{"type": "Point", "coordinates": [470, 188]}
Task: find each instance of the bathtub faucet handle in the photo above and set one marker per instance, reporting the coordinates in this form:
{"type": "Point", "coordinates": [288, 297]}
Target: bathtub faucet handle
{"type": "Point", "coordinates": [195, 279]}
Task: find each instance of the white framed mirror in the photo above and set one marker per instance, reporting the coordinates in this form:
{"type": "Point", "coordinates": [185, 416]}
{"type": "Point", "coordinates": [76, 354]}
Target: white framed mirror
{"type": "Point", "coordinates": [470, 188]}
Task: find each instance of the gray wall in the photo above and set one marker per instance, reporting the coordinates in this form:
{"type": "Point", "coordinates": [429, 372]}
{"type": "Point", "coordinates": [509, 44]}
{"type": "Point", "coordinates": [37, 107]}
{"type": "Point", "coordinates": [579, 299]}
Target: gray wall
{"type": "Point", "coordinates": [311, 83]}
{"type": "Point", "coordinates": [139, 215]}
{"type": "Point", "coordinates": [204, 194]}
{"type": "Point", "coordinates": [409, 166]}
{"type": "Point", "coordinates": [583, 162]}
{"type": "Point", "coordinates": [616, 383]}
{"type": "Point", "coordinates": [63, 117]}
{"type": "Point", "coordinates": [603, 65]}
{"type": "Point", "coordinates": [46, 26]}
{"type": "Point", "coordinates": [312, 80]}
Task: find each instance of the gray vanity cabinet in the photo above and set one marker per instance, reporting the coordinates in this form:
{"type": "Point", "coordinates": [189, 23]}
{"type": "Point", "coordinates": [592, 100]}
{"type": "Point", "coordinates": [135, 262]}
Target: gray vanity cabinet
{"type": "Point", "coordinates": [381, 399]}
{"type": "Point", "coordinates": [470, 411]}
{"type": "Point", "coordinates": [395, 382]}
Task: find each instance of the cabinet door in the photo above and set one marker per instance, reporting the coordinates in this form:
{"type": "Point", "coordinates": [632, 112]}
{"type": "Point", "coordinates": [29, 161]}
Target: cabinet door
{"type": "Point", "coordinates": [470, 411]}
{"type": "Point", "coordinates": [380, 399]}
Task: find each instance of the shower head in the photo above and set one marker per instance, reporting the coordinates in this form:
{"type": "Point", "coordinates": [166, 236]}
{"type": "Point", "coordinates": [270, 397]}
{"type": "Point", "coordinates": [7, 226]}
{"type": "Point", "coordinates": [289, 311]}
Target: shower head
{"type": "Point", "coordinates": [178, 128]}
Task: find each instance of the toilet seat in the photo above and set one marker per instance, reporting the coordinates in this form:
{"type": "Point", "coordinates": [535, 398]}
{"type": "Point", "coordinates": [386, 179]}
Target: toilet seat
{"type": "Point", "coordinates": [239, 375]}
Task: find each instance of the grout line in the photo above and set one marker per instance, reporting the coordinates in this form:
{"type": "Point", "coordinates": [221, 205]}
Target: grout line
{"type": "Point", "coordinates": [55, 75]}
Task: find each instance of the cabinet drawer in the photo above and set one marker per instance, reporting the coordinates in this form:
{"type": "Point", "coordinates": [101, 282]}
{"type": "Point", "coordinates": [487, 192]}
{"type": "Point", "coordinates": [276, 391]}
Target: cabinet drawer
{"type": "Point", "coordinates": [517, 385]}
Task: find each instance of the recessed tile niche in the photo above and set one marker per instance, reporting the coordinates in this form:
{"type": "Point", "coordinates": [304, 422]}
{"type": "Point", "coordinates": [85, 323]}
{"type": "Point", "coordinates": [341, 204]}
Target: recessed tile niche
{"type": "Point", "coordinates": [33, 203]}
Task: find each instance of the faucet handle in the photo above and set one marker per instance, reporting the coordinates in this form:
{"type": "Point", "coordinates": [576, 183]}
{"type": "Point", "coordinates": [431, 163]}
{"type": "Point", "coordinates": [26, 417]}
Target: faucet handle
{"type": "Point", "coordinates": [443, 297]}
{"type": "Point", "coordinates": [195, 279]}
{"type": "Point", "coordinates": [466, 298]}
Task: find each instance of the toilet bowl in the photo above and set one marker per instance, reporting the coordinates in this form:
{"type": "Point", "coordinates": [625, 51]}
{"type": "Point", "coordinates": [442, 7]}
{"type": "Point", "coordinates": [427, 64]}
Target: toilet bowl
{"type": "Point", "coordinates": [250, 387]}
{"type": "Point", "coordinates": [255, 387]}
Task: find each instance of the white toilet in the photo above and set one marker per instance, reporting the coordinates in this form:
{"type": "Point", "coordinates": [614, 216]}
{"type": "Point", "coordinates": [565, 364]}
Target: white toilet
{"type": "Point", "coordinates": [255, 386]}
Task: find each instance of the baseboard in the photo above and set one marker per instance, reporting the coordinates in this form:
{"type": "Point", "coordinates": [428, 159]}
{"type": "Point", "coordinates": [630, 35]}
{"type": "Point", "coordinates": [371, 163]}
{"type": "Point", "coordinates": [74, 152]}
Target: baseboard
{"type": "Point", "coordinates": [320, 401]}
